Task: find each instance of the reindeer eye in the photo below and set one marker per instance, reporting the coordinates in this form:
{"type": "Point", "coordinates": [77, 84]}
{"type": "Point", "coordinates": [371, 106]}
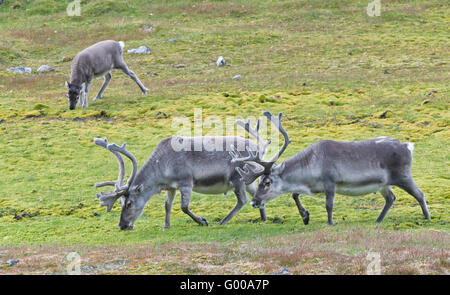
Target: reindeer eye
{"type": "Point", "coordinates": [128, 204]}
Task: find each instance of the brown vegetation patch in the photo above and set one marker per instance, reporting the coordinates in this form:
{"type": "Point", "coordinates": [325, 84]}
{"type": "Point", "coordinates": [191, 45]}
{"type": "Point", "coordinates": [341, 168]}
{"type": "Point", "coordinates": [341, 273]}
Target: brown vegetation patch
{"type": "Point", "coordinates": [320, 252]}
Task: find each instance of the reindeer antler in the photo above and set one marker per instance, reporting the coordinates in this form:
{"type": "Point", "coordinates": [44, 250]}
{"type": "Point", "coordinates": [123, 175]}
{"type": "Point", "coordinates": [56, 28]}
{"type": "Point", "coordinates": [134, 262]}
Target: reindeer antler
{"type": "Point", "coordinates": [262, 145]}
{"type": "Point", "coordinates": [255, 166]}
{"type": "Point", "coordinates": [277, 123]}
{"type": "Point", "coordinates": [250, 172]}
{"type": "Point", "coordinates": [119, 182]}
{"type": "Point", "coordinates": [108, 199]}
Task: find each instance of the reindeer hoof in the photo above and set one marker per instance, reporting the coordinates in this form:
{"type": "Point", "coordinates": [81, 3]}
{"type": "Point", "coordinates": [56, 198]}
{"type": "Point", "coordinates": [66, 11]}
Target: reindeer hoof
{"type": "Point", "coordinates": [204, 222]}
{"type": "Point", "coordinates": [145, 91]}
{"type": "Point", "coordinates": [97, 97]}
{"type": "Point", "coordinates": [306, 218]}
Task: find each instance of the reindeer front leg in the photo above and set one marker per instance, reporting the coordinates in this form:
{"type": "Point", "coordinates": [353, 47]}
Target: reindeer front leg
{"type": "Point", "coordinates": [239, 191]}
{"type": "Point", "coordinates": [87, 85]}
{"type": "Point", "coordinates": [170, 195]}
{"type": "Point", "coordinates": [303, 212]}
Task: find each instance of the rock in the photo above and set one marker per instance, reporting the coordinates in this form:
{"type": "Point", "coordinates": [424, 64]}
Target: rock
{"type": "Point", "coordinates": [140, 50]}
{"type": "Point", "coordinates": [282, 271]}
{"type": "Point", "coordinates": [20, 70]}
{"type": "Point", "coordinates": [173, 40]}
{"type": "Point", "coordinates": [220, 61]}
{"type": "Point", "coordinates": [1, 1]}
{"type": "Point", "coordinates": [147, 28]}
{"type": "Point", "coordinates": [237, 77]}
{"type": "Point", "coordinates": [426, 101]}
{"type": "Point", "coordinates": [45, 68]}
{"type": "Point", "coordinates": [12, 262]}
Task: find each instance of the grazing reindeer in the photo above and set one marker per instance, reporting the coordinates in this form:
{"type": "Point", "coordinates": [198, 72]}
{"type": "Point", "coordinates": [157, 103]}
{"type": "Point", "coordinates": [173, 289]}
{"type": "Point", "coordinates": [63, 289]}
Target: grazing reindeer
{"type": "Point", "coordinates": [206, 171]}
{"type": "Point", "coordinates": [348, 168]}
{"type": "Point", "coordinates": [96, 60]}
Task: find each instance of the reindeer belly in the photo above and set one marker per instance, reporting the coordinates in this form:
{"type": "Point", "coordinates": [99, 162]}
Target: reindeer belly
{"type": "Point", "coordinates": [358, 190]}
{"type": "Point", "coordinates": [358, 183]}
{"type": "Point", "coordinates": [212, 189]}
{"type": "Point", "coordinates": [211, 185]}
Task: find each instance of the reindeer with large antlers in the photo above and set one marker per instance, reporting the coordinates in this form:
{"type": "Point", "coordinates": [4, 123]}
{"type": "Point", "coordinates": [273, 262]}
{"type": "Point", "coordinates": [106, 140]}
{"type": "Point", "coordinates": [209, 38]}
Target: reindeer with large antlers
{"type": "Point", "coordinates": [176, 164]}
{"type": "Point", "coordinates": [348, 168]}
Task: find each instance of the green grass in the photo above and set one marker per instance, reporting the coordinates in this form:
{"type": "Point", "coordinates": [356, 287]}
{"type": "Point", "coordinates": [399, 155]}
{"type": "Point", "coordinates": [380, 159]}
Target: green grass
{"type": "Point", "coordinates": [331, 69]}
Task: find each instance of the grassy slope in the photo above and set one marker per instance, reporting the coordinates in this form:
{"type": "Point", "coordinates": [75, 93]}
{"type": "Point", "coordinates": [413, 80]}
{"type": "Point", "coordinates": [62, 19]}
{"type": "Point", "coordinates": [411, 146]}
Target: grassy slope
{"type": "Point", "coordinates": [354, 68]}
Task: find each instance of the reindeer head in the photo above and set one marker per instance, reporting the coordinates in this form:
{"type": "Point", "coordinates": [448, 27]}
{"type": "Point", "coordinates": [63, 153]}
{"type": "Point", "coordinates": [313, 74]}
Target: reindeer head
{"type": "Point", "coordinates": [73, 93]}
{"type": "Point", "coordinates": [132, 204]}
{"type": "Point", "coordinates": [270, 184]}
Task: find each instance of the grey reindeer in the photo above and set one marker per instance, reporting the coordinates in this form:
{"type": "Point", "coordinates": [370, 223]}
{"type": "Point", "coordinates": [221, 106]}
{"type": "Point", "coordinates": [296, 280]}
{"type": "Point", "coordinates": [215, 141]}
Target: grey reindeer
{"type": "Point", "coordinates": [96, 60]}
{"type": "Point", "coordinates": [348, 168]}
{"type": "Point", "coordinates": [200, 164]}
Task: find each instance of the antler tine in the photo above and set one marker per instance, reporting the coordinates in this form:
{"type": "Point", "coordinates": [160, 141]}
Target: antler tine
{"type": "Point", "coordinates": [252, 132]}
{"type": "Point", "coordinates": [262, 145]}
{"type": "Point", "coordinates": [250, 172]}
{"type": "Point", "coordinates": [277, 122]}
{"type": "Point", "coordinates": [108, 199]}
{"type": "Point", "coordinates": [236, 155]}
{"type": "Point", "coordinates": [122, 149]}
{"type": "Point", "coordinates": [119, 182]}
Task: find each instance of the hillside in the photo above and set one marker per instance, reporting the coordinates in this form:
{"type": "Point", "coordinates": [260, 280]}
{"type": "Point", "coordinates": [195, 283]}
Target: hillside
{"type": "Point", "coordinates": [333, 71]}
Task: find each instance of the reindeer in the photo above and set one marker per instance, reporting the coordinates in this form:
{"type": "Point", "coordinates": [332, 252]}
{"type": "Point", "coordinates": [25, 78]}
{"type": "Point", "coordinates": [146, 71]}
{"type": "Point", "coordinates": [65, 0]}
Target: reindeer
{"type": "Point", "coordinates": [206, 170]}
{"type": "Point", "coordinates": [349, 168]}
{"type": "Point", "coordinates": [96, 60]}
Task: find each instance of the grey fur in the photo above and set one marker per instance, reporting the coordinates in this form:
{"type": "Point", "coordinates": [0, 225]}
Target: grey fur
{"type": "Point", "coordinates": [348, 168]}
{"type": "Point", "coordinates": [208, 172]}
{"type": "Point", "coordinates": [96, 60]}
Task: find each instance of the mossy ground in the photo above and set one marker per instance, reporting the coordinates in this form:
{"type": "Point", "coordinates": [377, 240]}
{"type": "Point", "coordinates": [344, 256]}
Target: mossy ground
{"type": "Point", "coordinates": [333, 71]}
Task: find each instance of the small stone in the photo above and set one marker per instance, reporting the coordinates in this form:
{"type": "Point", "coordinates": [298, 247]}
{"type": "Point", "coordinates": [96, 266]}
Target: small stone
{"type": "Point", "coordinates": [44, 68]}
{"type": "Point", "coordinates": [140, 50]}
{"type": "Point", "coordinates": [173, 40]}
{"type": "Point", "coordinates": [148, 28]}
{"type": "Point", "coordinates": [12, 262]}
{"type": "Point", "coordinates": [386, 72]}
{"type": "Point", "coordinates": [237, 77]}
{"type": "Point", "coordinates": [220, 61]}
{"type": "Point", "coordinates": [282, 271]}
{"type": "Point", "coordinates": [20, 70]}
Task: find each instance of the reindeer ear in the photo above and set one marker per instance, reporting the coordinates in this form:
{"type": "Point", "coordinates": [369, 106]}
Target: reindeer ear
{"type": "Point", "coordinates": [67, 84]}
{"type": "Point", "coordinates": [278, 169]}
